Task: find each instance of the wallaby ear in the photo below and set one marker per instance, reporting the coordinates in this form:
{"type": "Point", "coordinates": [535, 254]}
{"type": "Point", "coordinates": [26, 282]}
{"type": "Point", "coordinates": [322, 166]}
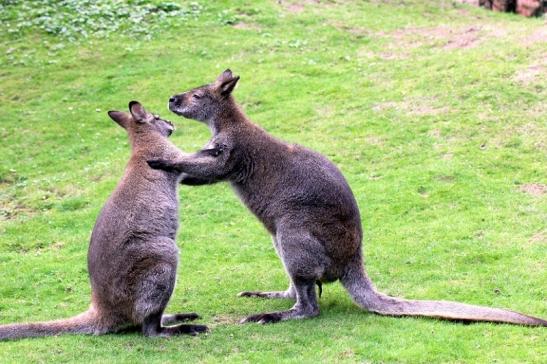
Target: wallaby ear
{"type": "Point", "coordinates": [138, 112]}
{"type": "Point", "coordinates": [227, 87]}
{"type": "Point", "coordinates": [226, 82]}
{"type": "Point", "coordinates": [122, 118]}
{"type": "Point", "coordinates": [226, 75]}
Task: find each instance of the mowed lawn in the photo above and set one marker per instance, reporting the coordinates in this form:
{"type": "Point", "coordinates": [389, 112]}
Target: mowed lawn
{"type": "Point", "coordinates": [434, 112]}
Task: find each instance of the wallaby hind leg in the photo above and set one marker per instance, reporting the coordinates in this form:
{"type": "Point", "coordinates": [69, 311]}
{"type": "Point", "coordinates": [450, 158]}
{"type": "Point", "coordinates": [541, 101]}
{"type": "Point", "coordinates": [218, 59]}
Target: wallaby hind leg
{"type": "Point", "coordinates": [289, 293]}
{"type": "Point", "coordinates": [154, 291]}
{"type": "Point", "coordinates": [176, 318]}
{"type": "Point", "coordinates": [304, 268]}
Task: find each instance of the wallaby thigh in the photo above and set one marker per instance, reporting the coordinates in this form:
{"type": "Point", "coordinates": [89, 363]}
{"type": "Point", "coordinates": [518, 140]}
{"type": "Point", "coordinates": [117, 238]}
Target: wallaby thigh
{"type": "Point", "coordinates": [147, 279]}
{"type": "Point", "coordinates": [303, 255]}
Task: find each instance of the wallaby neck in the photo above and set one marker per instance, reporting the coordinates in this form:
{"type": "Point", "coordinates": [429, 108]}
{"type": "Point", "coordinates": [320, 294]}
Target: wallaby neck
{"type": "Point", "coordinates": [146, 144]}
{"type": "Point", "coordinates": [229, 116]}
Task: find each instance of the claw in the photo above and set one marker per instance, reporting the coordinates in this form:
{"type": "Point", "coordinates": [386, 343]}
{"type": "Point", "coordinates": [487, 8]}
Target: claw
{"type": "Point", "coordinates": [263, 318]}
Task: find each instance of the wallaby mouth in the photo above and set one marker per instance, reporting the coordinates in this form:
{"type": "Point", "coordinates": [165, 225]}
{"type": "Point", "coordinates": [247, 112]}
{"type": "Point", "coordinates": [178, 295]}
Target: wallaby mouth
{"type": "Point", "coordinates": [175, 106]}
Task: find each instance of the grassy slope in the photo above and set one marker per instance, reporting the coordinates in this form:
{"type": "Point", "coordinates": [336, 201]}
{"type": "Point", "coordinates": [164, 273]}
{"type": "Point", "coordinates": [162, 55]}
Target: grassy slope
{"type": "Point", "coordinates": [436, 142]}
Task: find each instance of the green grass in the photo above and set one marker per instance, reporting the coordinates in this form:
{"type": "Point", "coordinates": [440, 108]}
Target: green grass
{"type": "Point", "coordinates": [440, 130]}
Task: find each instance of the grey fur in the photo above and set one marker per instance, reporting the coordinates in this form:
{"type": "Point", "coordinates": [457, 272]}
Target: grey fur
{"type": "Point", "coordinates": [132, 257]}
{"type": "Point", "coordinates": [305, 203]}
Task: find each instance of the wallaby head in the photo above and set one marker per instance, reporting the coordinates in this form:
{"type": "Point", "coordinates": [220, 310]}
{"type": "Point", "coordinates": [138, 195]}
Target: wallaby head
{"type": "Point", "coordinates": [139, 121]}
{"type": "Point", "coordinates": [206, 102]}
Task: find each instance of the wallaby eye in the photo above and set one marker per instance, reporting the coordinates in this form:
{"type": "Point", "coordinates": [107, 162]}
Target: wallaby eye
{"type": "Point", "coordinates": [196, 96]}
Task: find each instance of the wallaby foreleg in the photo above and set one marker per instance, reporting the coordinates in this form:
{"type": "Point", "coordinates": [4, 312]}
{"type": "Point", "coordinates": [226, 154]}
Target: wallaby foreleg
{"type": "Point", "coordinates": [207, 164]}
{"type": "Point", "coordinates": [176, 318]}
{"type": "Point", "coordinates": [189, 180]}
{"type": "Point", "coordinates": [152, 327]}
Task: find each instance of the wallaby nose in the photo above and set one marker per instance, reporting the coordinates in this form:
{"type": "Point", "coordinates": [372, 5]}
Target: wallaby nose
{"type": "Point", "coordinates": [172, 99]}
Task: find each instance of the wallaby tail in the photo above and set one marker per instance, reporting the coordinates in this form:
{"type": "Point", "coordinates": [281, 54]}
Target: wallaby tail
{"type": "Point", "coordinates": [83, 323]}
{"type": "Point", "coordinates": [362, 291]}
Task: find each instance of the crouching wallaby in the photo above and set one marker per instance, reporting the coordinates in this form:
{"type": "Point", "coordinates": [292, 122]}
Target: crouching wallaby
{"type": "Point", "coordinates": [132, 257]}
{"type": "Point", "coordinates": [305, 203]}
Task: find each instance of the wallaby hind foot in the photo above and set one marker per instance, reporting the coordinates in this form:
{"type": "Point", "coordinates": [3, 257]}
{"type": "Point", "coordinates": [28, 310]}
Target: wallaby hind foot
{"type": "Point", "coordinates": [152, 327]}
{"type": "Point", "coordinates": [306, 306]}
{"type": "Point", "coordinates": [288, 294]}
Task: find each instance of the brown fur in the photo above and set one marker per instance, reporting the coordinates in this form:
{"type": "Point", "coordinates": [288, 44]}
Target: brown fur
{"type": "Point", "coordinates": [132, 257]}
{"type": "Point", "coordinates": [305, 203]}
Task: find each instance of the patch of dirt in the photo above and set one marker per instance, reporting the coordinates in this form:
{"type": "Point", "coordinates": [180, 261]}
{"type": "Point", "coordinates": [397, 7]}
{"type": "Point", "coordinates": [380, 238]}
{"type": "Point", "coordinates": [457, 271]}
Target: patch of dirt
{"type": "Point", "coordinates": [297, 7]}
{"type": "Point", "coordinates": [446, 179]}
{"type": "Point", "coordinates": [539, 36]}
{"type": "Point", "coordinates": [13, 209]}
{"type": "Point", "coordinates": [466, 39]}
{"type": "Point", "coordinates": [226, 320]}
{"type": "Point", "coordinates": [534, 189]}
{"type": "Point", "coordinates": [412, 106]}
{"type": "Point", "coordinates": [373, 140]}
{"type": "Point", "coordinates": [532, 73]}
{"type": "Point", "coordinates": [448, 37]}
{"type": "Point", "coordinates": [470, 2]}
{"type": "Point", "coordinates": [324, 111]}
{"type": "Point", "coordinates": [435, 133]}
{"type": "Point", "coordinates": [358, 32]}
{"type": "Point", "coordinates": [533, 133]}
{"type": "Point", "coordinates": [246, 26]}
{"type": "Point", "coordinates": [387, 56]}
{"type": "Point", "coordinates": [539, 238]}
{"type": "Point", "coordinates": [404, 40]}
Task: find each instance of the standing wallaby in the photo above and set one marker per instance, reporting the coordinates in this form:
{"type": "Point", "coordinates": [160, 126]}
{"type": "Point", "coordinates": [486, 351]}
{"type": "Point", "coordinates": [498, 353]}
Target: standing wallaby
{"type": "Point", "coordinates": [305, 203]}
{"type": "Point", "coordinates": [132, 257]}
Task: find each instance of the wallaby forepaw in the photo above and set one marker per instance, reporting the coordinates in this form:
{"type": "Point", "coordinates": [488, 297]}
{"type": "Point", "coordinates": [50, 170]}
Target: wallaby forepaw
{"type": "Point", "coordinates": [176, 318]}
{"type": "Point", "coordinates": [250, 294]}
{"type": "Point", "coordinates": [263, 318]}
{"type": "Point", "coordinates": [186, 316]}
{"type": "Point", "coordinates": [160, 164]}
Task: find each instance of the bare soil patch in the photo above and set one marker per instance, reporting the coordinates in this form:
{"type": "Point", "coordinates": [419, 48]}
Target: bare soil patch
{"type": "Point", "coordinates": [298, 6]}
{"type": "Point", "coordinates": [412, 106]}
{"type": "Point", "coordinates": [538, 36]}
{"type": "Point", "coordinates": [226, 320]}
{"type": "Point", "coordinates": [534, 189]}
{"type": "Point", "coordinates": [531, 73]}
{"type": "Point", "coordinates": [246, 26]}
{"type": "Point", "coordinates": [447, 37]}
{"type": "Point", "coordinates": [539, 238]}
